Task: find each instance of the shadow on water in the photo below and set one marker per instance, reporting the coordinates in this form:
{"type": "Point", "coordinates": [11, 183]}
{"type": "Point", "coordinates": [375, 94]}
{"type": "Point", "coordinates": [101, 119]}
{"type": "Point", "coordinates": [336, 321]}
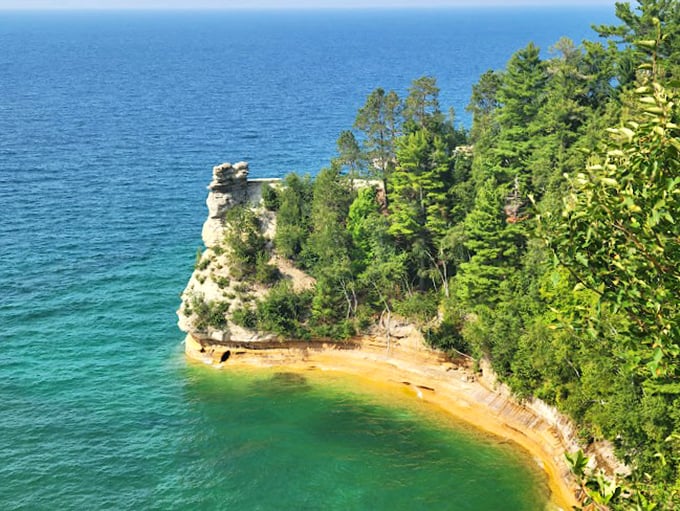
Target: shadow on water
{"type": "Point", "coordinates": [284, 382]}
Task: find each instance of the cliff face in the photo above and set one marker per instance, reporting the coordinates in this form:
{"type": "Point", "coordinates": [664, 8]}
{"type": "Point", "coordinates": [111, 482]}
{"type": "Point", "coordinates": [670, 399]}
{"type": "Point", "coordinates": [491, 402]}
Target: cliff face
{"type": "Point", "coordinates": [211, 290]}
{"type": "Point", "coordinates": [228, 188]}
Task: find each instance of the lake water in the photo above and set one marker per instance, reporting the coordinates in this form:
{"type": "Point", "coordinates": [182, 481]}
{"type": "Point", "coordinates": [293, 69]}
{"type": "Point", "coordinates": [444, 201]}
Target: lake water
{"type": "Point", "coordinates": [110, 124]}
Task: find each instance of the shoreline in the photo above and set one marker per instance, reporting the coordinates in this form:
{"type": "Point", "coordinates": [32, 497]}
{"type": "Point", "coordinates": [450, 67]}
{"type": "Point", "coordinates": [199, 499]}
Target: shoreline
{"type": "Point", "coordinates": [444, 384]}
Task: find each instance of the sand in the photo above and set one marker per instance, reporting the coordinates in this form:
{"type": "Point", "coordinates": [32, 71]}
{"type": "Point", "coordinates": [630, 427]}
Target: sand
{"type": "Point", "coordinates": [429, 376]}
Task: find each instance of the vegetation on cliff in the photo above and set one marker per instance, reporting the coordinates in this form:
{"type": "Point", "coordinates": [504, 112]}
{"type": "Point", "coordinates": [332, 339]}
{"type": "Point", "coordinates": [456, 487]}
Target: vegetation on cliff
{"type": "Point", "coordinates": [544, 238]}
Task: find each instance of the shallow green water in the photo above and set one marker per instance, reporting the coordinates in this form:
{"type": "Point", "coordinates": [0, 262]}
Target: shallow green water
{"type": "Point", "coordinates": [281, 440]}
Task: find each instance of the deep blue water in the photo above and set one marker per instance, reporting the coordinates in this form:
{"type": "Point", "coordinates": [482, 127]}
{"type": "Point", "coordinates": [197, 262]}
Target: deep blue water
{"type": "Point", "coordinates": [110, 123]}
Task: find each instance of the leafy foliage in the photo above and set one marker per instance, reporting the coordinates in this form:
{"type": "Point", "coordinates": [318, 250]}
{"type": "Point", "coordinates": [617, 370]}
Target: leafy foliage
{"type": "Point", "coordinates": [282, 312]}
{"type": "Point", "coordinates": [619, 236]}
{"type": "Point", "coordinates": [208, 314]}
{"type": "Point", "coordinates": [247, 247]}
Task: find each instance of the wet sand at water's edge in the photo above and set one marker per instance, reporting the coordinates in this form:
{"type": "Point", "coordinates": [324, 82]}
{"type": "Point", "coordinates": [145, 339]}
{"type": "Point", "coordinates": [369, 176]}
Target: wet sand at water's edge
{"type": "Point", "coordinates": [425, 374]}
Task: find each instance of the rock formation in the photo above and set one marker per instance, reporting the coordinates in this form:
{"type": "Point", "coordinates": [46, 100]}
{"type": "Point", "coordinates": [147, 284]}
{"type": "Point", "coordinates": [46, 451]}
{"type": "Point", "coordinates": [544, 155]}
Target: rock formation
{"type": "Point", "coordinates": [211, 290]}
{"type": "Point", "coordinates": [229, 187]}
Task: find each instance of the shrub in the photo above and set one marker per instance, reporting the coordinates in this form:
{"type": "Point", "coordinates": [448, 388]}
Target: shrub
{"type": "Point", "coordinates": [283, 311]}
{"type": "Point", "coordinates": [245, 317]}
{"type": "Point", "coordinates": [364, 318]}
{"type": "Point", "coordinates": [265, 273]}
{"type": "Point", "coordinates": [448, 335]}
{"type": "Point", "coordinates": [339, 330]}
{"type": "Point", "coordinates": [208, 314]}
{"type": "Point", "coordinates": [188, 311]}
{"type": "Point", "coordinates": [418, 307]}
{"type": "Point", "coordinates": [201, 262]}
{"type": "Point", "coordinates": [270, 197]}
{"type": "Point", "coordinates": [221, 281]}
{"type": "Point", "coordinates": [241, 288]}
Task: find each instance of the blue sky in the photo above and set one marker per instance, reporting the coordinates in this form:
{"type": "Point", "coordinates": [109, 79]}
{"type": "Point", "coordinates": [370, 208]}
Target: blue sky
{"type": "Point", "coordinates": [278, 4]}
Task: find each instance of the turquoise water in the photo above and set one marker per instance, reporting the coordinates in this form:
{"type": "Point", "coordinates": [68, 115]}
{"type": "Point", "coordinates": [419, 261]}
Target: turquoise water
{"type": "Point", "coordinates": [109, 126]}
{"type": "Point", "coordinates": [322, 442]}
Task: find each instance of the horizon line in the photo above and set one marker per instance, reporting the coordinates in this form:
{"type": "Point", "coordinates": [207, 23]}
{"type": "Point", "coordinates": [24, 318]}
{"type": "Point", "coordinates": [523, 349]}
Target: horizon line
{"type": "Point", "coordinates": [132, 8]}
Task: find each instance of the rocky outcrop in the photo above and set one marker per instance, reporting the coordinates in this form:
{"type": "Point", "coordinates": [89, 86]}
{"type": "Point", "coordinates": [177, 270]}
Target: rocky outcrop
{"type": "Point", "coordinates": [229, 187]}
{"type": "Point", "coordinates": [211, 286]}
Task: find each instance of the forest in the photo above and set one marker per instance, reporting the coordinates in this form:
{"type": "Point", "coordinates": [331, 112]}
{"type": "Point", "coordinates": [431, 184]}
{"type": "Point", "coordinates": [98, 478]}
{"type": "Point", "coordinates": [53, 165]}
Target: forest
{"type": "Point", "coordinates": [543, 238]}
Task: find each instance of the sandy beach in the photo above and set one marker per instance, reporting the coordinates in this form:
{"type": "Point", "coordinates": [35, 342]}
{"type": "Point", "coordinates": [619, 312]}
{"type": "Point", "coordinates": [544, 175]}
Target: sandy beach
{"type": "Point", "coordinates": [426, 375]}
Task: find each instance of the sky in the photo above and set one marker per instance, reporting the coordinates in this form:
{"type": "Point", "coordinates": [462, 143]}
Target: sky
{"type": "Point", "coordinates": [280, 4]}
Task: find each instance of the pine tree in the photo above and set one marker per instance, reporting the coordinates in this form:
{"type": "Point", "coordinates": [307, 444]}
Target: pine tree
{"type": "Point", "coordinates": [292, 221]}
{"type": "Point", "coordinates": [328, 251]}
{"type": "Point", "coordinates": [560, 120]}
{"type": "Point", "coordinates": [494, 248]}
{"type": "Point", "coordinates": [421, 108]}
{"type": "Point", "coordinates": [350, 157]}
{"type": "Point", "coordinates": [522, 95]}
{"type": "Point", "coordinates": [641, 25]}
{"type": "Point", "coordinates": [379, 121]}
{"type": "Point", "coordinates": [361, 221]}
{"type": "Point", "coordinates": [420, 211]}
{"type": "Point", "coordinates": [483, 105]}
{"type": "Point", "coordinates": [407, 191]}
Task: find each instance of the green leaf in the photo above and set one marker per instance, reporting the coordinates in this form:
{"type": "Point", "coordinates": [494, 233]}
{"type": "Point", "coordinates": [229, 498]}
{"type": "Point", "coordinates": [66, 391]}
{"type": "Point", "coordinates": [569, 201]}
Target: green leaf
{"type": "Point", "coordinates": [581, 258]}
{"type": "Point", "coordinates": [577, 462]}
{"type": "Point", "coordinates": [628, 133]}
{"type": "Point", "coordinates": [650, 100]}
{"type": "Point", "coordinates": [646, 43]}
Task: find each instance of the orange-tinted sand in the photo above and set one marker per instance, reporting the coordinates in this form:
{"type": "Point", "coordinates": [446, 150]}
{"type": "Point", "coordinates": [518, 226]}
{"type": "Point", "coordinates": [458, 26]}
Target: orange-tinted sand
{"type": "Point", "coordinates": [429, 376]}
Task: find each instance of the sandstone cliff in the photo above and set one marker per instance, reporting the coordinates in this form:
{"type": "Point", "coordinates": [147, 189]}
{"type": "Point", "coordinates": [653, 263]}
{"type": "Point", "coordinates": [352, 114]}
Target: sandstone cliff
{"type": "Point", "coordinates": [211, 286]}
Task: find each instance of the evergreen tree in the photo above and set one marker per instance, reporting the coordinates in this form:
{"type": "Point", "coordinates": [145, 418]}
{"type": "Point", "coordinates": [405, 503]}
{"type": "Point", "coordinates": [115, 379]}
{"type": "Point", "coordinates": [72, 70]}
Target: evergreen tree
{"type": "Point", "coordinates": [407, 208]}
{"type": "Point", "coordinates": [522, 95]}
{"type": "Point", "coordinates": [560, 120]}
{"type": "Point", "coordinates": [483, 105]}
{"type": "Point", "coordinates": [379, 121]}
{"type": "Point", "coordinates": [421, 108]}
{"type": "Point", "coordinates": [350, 156]}
{"type": "Point", "coordinates": [328, 250]}
{"type": "Point", "coordinates": [419, 214]}
{"type": "Point", "coordinates": [328, 239]}
{"type": "Point", "coordinates": [641, 26]}
{"type": "Point", "coordinates": [292, 220]}
{"type": "Point", "coordinates": [598, 68]}
{"type": "Point", "coordinates": [364, 214]}
{"type": "Point", "coordinates": [493, 246]}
